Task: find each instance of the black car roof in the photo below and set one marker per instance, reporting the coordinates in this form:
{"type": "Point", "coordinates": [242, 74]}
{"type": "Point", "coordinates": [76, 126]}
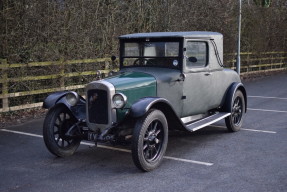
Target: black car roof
{"type": "Point", "coordinates": [184, 34]}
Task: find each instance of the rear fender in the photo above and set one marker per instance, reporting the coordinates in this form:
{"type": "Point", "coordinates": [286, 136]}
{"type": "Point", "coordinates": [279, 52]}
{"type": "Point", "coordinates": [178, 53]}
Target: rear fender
{"type": "Point", "coordinates": [227, 106]}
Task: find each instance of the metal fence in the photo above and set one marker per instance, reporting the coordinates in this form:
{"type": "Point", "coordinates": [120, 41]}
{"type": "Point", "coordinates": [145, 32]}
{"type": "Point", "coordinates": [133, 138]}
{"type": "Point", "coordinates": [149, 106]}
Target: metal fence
{"type": "Point", "coordinates": [25, 86]}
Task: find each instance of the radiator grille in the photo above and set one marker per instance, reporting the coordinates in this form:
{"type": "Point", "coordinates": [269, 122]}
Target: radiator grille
{"type": "Point", "coordinates": [98, 106]}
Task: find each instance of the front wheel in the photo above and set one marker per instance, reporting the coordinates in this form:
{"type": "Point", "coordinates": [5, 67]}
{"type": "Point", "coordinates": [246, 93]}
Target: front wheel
{"type": "Point", "coordinates": [149, 140]}
{"type": "Point", "coordinates": [235, 120]}
{"type": "Point", "coordinates": [56, 124]}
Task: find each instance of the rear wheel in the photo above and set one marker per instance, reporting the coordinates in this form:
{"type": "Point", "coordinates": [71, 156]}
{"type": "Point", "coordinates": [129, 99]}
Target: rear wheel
{"type": "Point", "coordinates": [149, 140]}
{"type": "Point", "coordinates": [235, 120]}
{"type": "Point", "coordinates": [57, 122]}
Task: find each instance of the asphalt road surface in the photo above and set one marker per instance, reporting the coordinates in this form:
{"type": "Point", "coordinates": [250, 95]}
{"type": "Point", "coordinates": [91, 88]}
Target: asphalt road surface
{"type": "Point", "coordinates": [210, 159]}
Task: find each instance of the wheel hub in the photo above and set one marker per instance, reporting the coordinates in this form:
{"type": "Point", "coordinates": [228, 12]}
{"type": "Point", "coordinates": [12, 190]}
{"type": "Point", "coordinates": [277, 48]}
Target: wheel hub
{"type": "Point", "coordinates": [237, 111]}
{"type": "Point", "coordinates": [152, 138]}
{"type": "Point", "coordinates": [152, 141]}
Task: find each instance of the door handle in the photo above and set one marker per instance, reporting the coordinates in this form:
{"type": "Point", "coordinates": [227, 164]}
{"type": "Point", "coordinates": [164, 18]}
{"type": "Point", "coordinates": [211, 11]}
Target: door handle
{"type": "Point", "coordinates": [207, 74]}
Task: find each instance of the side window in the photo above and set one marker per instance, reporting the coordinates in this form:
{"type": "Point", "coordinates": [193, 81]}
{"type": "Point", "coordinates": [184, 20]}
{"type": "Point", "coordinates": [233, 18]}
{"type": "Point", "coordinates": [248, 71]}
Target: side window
{"type": "Point", "coordinates": [196, 54]}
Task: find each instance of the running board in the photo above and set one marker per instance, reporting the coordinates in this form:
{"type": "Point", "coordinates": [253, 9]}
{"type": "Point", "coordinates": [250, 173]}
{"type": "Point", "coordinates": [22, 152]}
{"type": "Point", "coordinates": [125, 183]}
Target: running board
{"type": "Point", "coordinates": [206, 121]}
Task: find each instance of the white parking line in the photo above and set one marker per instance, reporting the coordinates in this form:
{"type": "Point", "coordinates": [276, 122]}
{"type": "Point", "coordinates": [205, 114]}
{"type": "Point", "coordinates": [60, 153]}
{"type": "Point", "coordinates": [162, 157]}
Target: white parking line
{"type": "Point", "coordinates": [266, 110]}
{"type": "Point", "coordinates": [166, 157]}
{"type": "Point", "coordinates": [114, 148]}
{"type": "Point", "coordinates": [188, 161]}
{"type": "Point", "coordinates": [22, 133]}
{"type": "Point", "coordinates": [263, 97]}
{"type": "Point", "coordinates": [254, 130]}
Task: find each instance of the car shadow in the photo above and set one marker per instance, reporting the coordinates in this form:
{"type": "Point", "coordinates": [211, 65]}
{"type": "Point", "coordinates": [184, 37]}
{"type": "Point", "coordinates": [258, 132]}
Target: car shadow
{"type": "Point", "coordinates": [110, 161]}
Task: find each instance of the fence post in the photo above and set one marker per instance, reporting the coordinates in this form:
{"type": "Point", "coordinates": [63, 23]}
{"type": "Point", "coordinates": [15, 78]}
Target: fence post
{"type": "Point", "coordinates": [5, 102]}
{"type": "Point", "coordinates": [62, 74]}
{"type": "Point", "coordinates": [272, 61]}
{"type": "Point", "coordinates": [248, 62]}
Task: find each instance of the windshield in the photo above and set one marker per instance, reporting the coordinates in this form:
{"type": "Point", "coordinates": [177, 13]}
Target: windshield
{"type": "Point", "coordinates": [156, 53]}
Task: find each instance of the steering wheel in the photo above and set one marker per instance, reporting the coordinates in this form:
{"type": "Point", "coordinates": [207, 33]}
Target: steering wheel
{"type": "Point", "coordinates": [140, 61]}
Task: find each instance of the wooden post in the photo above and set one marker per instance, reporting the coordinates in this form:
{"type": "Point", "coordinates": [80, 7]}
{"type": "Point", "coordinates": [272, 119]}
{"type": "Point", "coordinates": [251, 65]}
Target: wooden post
{"type": "Point", "coordinates": [271, 61]}
{"type": "Point", "coordinates": [5, 102]}
{"type": "Point", "coordinates": [248, 62]}
{"type": "Point", "coordinates": [62, 74]}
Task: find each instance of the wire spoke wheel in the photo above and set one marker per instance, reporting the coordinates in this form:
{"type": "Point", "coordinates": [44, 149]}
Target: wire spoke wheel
{"type": "Point", "coordinates": [57, 122]}
{"type": "Point", "coordinates": [235, 120]}
{"type": "Point", "coordinates": [61, 126]}
{"type": "Point", "coordinates": [237, 111]}
{"type": "Point", "coordinates": [149, 141]}
{"type": "Point", "coordinates": [153, 140]}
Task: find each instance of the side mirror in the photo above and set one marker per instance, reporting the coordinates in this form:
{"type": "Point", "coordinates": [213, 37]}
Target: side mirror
{"type": "Point", "coordinates": [113, 58]}
{"type": "Point", "coordinates": [99, 75]}
{"type": "Point", "coordinates": [111, 73]}
{"type": "Point", "coordinates": [192, 59]}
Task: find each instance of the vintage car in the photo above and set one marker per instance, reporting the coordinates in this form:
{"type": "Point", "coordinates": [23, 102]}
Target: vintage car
{"type": "Point", "coordinates": [166, 80]}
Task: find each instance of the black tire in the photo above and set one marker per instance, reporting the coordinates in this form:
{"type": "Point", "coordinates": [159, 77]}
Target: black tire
{"type": "Point", "coordinates": [235, 120]}
{"type": "Point", "coordinates": [57, 122]}
{"type": "Point", "coordinates": [149, 141]}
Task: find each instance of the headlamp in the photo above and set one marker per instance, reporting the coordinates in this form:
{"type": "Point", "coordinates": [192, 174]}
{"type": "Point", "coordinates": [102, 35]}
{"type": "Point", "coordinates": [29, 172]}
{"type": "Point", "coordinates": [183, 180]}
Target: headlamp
{"type": "Point", "coordinates": [72, 98]}
{"type": "Point", "coordinates": [119, 100]}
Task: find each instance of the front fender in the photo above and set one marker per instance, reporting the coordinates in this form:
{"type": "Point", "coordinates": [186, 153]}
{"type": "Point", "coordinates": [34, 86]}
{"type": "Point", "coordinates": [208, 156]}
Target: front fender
{"type": "Point", "coordinates": [54, 98]}
{"type": "Point", "coordinates": [142, 106]}
{"type": "Point", "coordinates": [58, 98]}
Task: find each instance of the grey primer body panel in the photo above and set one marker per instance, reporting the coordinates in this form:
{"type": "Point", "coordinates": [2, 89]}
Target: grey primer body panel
{"type": "Point", "coordinates": [222, 80]}
{"type": "Point", "coordinates": [189, 97]}
{"type": "Point", "coordinates": [205, 92]}
{"type": "Point", "coordinates": [204, 88]}
{"type": "Point", "coordinates": [167, 85]}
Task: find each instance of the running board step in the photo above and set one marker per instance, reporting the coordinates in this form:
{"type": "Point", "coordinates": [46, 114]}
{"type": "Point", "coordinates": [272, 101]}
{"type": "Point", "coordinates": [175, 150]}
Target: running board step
{"type": "Point", "coordinates": [206, 121]}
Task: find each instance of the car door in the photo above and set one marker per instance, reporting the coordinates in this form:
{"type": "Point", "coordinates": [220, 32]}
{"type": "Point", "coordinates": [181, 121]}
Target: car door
{"type": "Point", "coordinates": [197, 83]}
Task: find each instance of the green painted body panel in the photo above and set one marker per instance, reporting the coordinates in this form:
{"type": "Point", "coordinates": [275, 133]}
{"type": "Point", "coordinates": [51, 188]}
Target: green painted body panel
{"type": "Point", "coordinates": [134, 85]}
